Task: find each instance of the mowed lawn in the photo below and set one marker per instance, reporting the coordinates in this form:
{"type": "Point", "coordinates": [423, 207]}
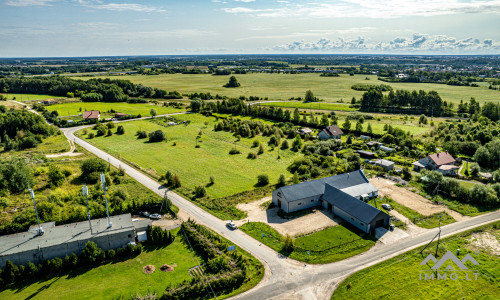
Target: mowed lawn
{"type": "Point", "coordinates": [284, 86]}
{"type": "Point", "coordinates": [194, 166]}
{"type": "Point", "coordinates": [115, 280]}
{"type": "Point", "coordinates": [75, 108]}
{"type": "Point", "coordinates": [398, 278]}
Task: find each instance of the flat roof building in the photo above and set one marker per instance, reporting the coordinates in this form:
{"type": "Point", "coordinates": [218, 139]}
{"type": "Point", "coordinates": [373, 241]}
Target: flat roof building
{"type": "Point", "coordinates": [62, 240]}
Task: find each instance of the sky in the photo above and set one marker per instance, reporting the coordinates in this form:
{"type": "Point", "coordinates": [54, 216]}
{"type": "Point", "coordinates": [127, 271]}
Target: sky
{"type": "Point", "coordinates": [55, 28]}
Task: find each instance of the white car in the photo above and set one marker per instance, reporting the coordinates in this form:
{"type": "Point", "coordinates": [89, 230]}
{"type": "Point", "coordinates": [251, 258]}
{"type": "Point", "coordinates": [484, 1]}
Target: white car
{"type": "Point", "coordinates": [386, 206]}
{"type": "Point", "coordinates": [231, 225]}
{"type": "Point", "coordinates": [155, 216]}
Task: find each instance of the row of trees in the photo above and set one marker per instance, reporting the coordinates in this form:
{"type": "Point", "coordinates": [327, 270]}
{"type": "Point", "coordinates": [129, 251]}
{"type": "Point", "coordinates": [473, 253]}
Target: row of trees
{"type": "Point", "coordinates": [431, 100]}
{"type": "Point", "coordinates": [106, 90]}
{"type": "Point", "coordinates": [91, 256]}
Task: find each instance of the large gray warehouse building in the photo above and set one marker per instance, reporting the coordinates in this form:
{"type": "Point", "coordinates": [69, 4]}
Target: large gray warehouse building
{"type": "Point", "coordinates": [342, 194]}
{"type": "Point", "coordinates": [59, 241]}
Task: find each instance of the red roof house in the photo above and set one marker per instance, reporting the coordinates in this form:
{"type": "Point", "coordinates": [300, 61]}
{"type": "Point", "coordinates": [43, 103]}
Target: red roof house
{"type": "Point", "coordinates": [91, 115]}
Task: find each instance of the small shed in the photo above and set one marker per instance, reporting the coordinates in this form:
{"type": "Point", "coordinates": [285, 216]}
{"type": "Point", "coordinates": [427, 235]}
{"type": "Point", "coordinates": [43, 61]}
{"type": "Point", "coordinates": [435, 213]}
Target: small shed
{"type": "Point", "coordinates": [365, 154]}
{"type": "Point", "coordinates": [364, 137]}
{"type": "Point", "coordinates": [386, 164]}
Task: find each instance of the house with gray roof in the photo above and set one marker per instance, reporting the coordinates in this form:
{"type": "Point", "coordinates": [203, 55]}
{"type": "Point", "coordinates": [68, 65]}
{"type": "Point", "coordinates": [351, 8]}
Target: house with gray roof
{"type": "Point", "coordinates": [308, 194]}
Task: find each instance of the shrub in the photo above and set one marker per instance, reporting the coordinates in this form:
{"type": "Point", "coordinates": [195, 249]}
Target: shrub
{"type": "Point", "coordinates": [212, 180]}
{"type": "Point", "coordinates": [262, 180]}
{"type": "Point", "coordinates": [101, 130]}
{"type": "Point", "coordinates": [252, 155]}
{"type": "Point", "coordinates": [261, 150]}
{"type": "Point", "coordinates": [120, 130]}
{"type": "Point", "coordinates": [169, 176]}
{"type": "Point", "coordinates": [255, 143]}
{"type": "Point", "coordinates": [200, 191]}
{"type": "Point", "coordinates": [176, 181]}
{"type": "Point", "coordinates": [157, 136]}
{"type": "Point", "coordinates": [142, 134]}
{"type": "Point", "coordinates": [92, 254]}
{"type": "Point", "coordinates": [234, 151]}
{"type": "Point", "coordinates": [110, 125]}
{"type": "Point", "coordinates": [288, 243]}
{"type": "Point", "coordinates": [56, 176]}
{"type": "Point", "coordinates": [282, 180]}
{"type": "Point", "coordinates": [91, 169]}
{"type": "Point", "coordinates": [474, 169]}
{"type": "Point", "coordinates": [91, 135]}
{"type": "Point", "coordinates": [110, 133]}
{"type": "Point", "coordinates": [284, 145]}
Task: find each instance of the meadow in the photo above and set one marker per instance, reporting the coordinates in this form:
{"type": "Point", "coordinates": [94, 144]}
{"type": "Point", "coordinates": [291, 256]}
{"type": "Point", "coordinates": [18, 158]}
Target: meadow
{"type": "Point", "coordinates": [75, 108]}
{"type": "Point", "coordinates": [311, 105]}
{"type": "Point", "coordinates": [285, 86]}
{"type": "Point", "coordinates": [194, 166]}
{"type": "Point", "coordinates": [123, 279]}
{"type": "Point", "coordinates": [398, 278]}
{"type": "Point", "coordinates": [30, 97]}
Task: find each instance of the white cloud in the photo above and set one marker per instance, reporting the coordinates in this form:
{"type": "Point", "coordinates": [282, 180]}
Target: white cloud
{"type": "Point", "coordinates": [97, 4]}
{"type": "Point", "coordinates": [30, 2]}
{"type": "Point", "coordinates": [98, 25]}
{"type": "Point", "coordinates": [245, 1]}
{"type": "Point", "coordinates": [379, 9]}
{"type": "Point", "coordinates": [416, 43]}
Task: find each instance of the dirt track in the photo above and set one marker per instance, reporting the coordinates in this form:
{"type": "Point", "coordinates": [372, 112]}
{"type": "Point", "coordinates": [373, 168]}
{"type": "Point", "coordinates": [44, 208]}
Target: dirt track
{"type": "Point", "coordinates": [312, 222]}
{"type": "Point", "coordinates": [411, 200]}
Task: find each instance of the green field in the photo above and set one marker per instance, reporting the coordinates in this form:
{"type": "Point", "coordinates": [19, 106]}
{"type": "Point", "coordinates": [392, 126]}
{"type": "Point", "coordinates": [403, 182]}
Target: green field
{"type": "Point", "coordinates": [284, 86]}
{"type": "Point", "coordinates": [115, 280]}
{"type": "Point", "coordinates": [398, 278]}
{"type": "Point", "coordinates": [194, 166]}
{"type": "Point", "coordinates": [30, 97]}
{"type": "Point", "coordinates": [311, 105]}
{"type": "Point", "coordinates": [75, 108]}
{"type": "Point", "coordinates": [325, 246]}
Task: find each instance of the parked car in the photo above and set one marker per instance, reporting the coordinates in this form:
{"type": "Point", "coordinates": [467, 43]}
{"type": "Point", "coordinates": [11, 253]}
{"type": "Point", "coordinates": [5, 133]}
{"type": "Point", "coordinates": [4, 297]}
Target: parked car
{"type": "Point", "coordinates": [144, 214]}
{"type": "Point", "coordinates": [386, 206]}
{"type": "Point", "coordinates": [155, 216]}
{"type": "Point", "coordinates": [231, 225]}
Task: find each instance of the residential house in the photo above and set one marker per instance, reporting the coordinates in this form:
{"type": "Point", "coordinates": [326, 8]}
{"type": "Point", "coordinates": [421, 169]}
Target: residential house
{"type": "Point", "coordinates": [442, 162]}
{"type": "Point", "coordinates": [91, 115]}
{"type": "Point", "coordinates": [331, 132]}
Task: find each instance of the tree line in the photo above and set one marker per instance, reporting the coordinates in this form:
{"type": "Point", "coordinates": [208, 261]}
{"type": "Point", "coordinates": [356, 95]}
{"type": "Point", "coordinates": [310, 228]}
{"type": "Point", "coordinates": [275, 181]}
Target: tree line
{"type": "Point", "coordinates": [106, 90]}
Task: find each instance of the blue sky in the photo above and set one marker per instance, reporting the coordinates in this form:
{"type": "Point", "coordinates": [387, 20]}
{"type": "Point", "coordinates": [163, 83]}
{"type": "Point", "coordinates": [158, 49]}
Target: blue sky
{"type": "Point", "coordinates": [32, 28]}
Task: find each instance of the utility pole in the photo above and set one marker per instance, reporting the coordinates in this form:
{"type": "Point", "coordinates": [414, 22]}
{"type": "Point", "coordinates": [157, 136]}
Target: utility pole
{"type": "Point", "coordinates": [439, 236]}
{"type": "Point", "coordinates": [40, 229]}
{"type": "Point", "coordinates": [103, 185]}
{"type": "Point", "coordinates": [85, 192]}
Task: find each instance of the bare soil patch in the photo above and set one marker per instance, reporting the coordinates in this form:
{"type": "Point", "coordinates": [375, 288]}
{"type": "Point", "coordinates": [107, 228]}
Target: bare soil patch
{"type": "Point", "coordinates": [412, 200]}
{"type": "Point", "coordinates": [167, 268]}
{"type": "Point", "coordinates": [485, 241]}
{"type": "Point", "coordinates": [317, 220]}
{"type": "Point", "coordinates": [148, 269]}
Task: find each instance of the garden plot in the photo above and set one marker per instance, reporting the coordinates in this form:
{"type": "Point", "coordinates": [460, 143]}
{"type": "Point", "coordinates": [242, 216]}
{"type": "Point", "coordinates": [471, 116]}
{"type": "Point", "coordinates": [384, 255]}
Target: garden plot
{"type": "Point", "coordinates": [317, 220]}
{"type": "Point", "coordinates": [411, 200]}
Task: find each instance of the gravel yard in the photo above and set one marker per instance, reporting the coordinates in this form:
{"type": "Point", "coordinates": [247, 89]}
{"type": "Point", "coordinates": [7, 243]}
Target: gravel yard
{"type": "Point", "coordinates": [317, 220]}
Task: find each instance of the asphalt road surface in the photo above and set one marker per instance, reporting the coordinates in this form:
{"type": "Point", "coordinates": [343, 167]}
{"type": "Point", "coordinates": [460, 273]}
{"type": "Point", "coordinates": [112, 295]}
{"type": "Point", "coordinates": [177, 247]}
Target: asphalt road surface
{"type": "Point", "coordinates": [286, 278]}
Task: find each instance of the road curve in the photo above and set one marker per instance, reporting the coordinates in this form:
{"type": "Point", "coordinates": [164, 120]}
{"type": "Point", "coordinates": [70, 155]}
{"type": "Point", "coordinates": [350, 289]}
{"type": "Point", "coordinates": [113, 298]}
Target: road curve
{"type": "Point", "coordinates": [285, 276]}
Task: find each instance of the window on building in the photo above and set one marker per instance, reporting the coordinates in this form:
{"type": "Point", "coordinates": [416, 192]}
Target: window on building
{"type": "Point", "coordinates": [129, 236]}
{"type": "Point", "coordinates": [299, 204]}
{"type": "Point", "coordinates": [312, 200]}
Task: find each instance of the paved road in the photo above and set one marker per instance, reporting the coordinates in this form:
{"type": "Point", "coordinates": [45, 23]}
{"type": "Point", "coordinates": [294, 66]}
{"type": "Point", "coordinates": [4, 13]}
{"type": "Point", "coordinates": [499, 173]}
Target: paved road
{"type": "Point", "coordinates": [286, 277]}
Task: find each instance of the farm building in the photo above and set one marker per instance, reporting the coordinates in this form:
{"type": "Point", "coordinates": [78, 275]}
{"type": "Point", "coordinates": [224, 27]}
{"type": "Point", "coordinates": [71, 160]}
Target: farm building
{"type": "Point", "coordinates": [386, 164]}
{"type": "Point", "coordinates": [59, 241]}
{"type": "Point", "coordinates": [121, 115]}
{"type": "Point", "coordinates": [442, 162]}
{"type": "Point", "coordinates": [356, 212]}
{"type": "Point", "coordinates": [91, 115]}
{"type": "Point", "coordinates": [331, 132]}
{"type": "Point", "coordinates": [308, 194]}
{"type": "Point", "coordinates": [341, 194]}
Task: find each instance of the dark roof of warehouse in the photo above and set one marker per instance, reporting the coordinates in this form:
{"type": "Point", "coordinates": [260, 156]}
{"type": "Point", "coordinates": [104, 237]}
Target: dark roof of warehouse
{"type": "Point", "coordinates": [354, 207]}
{"type": "Point", "coordinates": [317, 187]}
